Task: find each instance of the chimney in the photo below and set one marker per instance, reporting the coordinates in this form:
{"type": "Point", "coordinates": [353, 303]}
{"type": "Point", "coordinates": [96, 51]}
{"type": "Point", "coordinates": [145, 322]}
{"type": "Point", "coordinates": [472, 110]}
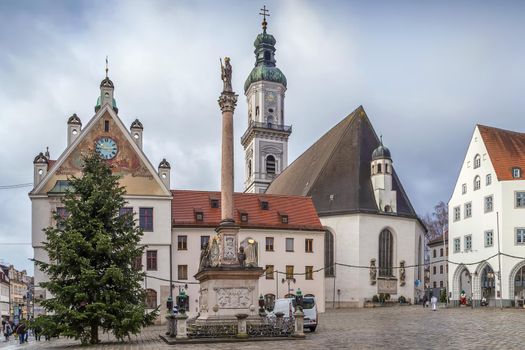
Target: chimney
{"type": "Point", "coordinates": [164, 172]}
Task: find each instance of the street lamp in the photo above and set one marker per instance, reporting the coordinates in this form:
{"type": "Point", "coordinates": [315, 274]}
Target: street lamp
{"type": "Point", "coordinates": [288, 280]}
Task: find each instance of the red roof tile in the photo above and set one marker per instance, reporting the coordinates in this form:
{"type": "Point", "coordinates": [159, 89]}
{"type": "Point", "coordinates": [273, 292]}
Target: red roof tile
{"type": "Point", "coordinates": [300, 210]}
{"type": "Point", "coordinates": [506, 150]}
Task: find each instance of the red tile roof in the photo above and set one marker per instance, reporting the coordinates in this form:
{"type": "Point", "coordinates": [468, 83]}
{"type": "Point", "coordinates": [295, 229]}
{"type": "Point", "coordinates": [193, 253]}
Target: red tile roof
{"type": "Point", "coordinates": [300, 210]}
{"type": "Point", "coordinates": [506, 150]}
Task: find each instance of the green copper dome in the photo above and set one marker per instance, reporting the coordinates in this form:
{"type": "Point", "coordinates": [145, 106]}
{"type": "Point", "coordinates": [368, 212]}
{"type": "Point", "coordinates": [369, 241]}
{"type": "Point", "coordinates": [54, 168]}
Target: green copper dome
{"type": "Point", "coordinates": [265, 69]}
{"type": "Point", "coordinates": [97, 107]}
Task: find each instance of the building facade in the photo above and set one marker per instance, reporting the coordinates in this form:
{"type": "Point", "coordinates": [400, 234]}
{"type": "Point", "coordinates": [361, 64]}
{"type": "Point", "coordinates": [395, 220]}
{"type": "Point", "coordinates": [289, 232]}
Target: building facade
{"type": "Point", "coordinates": [5, 292]}
{"type": "Point", "coordinates": [438, 254]}
{"type": "Point", "coordinates": [147, 189]}
{"type": "Point", "coordinates": [366, 214]}
{"type": "Point", "coordinates": [486, 217]}
{"type": "Point", "coordinates": [286, 229]}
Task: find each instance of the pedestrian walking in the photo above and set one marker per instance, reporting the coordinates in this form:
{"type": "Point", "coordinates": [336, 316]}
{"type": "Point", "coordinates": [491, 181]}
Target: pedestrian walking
{"type": "Point", "coordinates": [21, 331]}
{"type": "Point", "coordinates": [434, 301]}
{"type": "Point", "coordinates": [6, 329]}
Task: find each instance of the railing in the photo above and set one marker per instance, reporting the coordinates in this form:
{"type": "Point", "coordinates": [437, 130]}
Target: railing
{"type": "Point", "coordinates": [270, 126]}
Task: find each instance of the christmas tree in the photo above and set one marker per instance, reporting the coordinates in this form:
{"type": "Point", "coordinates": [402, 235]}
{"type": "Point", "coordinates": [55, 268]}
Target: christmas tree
{"type": "Point", "coordinates": [93, 279]}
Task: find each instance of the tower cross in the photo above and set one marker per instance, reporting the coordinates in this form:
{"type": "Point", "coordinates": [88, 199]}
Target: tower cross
{"type": "Point", "coordinates": [264, 12]}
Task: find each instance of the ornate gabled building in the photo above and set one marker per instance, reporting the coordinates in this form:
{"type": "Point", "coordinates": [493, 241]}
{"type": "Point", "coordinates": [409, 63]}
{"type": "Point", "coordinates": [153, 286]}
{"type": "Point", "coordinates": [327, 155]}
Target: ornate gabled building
{"type": "Point", "coordinates": [367, 215]}
{"type": "Point", "coordinates": [265, 141]}
{"type": "Point", "coordinates": [147, 189]}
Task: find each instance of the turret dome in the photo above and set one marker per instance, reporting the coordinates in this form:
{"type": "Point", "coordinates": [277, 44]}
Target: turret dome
{"type": "Point", "coordinates": [381, 152]}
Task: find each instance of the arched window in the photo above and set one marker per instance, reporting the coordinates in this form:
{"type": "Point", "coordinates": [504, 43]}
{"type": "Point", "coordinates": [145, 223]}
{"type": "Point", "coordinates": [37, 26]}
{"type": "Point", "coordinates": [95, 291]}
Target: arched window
{"type": "Point", "coordinates": [379, 168]}
{"type": "Point", "coordinates": [151, 299]}
{"type": "Point", "coordinates": [477, 183]}
{"type": "Point", "coordinates": [269, 120]}
{"type": "Point", "coordinates": [270, 164]}
{"type": "Point", "coordinates": [386, 249]}
{"type": "Point", "coordinates": [267, 55]}
{"type": "Point", "coordinates": [477, 161]}
{"type": "Point", "coordinates": [329, 270]}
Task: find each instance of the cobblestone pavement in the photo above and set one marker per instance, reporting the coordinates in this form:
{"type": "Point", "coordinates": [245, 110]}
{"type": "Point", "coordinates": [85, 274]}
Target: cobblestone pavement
{"type": "Point", "coordinates": [411, 327]}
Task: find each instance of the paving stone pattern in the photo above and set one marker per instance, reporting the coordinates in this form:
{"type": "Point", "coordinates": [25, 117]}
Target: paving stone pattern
{"type": "Point", "coordinates": [411, 327]}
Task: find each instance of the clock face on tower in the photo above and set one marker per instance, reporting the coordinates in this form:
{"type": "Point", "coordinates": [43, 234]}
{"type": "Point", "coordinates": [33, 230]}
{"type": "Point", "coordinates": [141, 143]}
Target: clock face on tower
{"type": "Point", "coordinates": [106, 147]}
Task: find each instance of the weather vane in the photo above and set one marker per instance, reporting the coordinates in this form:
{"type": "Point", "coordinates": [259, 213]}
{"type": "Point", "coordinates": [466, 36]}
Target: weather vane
{"type": "Point", "coordinates": [107, 66]}
{"type": "Point", "coordinates": [264, 12]}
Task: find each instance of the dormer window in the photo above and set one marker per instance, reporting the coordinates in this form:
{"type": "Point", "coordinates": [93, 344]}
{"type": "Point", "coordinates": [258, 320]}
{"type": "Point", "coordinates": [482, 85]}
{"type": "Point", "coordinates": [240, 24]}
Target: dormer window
{"type": "Point", "coordinates": [516, 173]}
{"type": "Point", "coordinates": [214, 203]}
{"type": "Point", "coordinates": [284, 218]}
{"type": "Point", "coordinates": [199, 216]}
{"type": "Point", "coordinates": [265, 205]}
{"type": "Point", "coordinates": [477, 161]}
{"type": "Point", "coordinates": [244, 217]}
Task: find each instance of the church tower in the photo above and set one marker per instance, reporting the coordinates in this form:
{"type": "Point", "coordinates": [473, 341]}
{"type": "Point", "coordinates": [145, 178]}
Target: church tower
{"type": "Point", "coordinates": [381, 170]}
{"type": "Point", "coordinates": [265, 141]}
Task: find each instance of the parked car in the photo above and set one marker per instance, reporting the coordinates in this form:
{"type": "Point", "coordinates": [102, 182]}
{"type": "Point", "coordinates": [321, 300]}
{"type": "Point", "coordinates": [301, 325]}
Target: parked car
{"type": "Point", "coordinates": [285, 305]}
{"type": "Point", "coordinates": [311, 319]}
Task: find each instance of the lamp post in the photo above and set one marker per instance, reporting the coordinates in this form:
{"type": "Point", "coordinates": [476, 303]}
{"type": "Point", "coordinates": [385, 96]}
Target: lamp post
{"type": "Point", "coordinates": [288, 280]}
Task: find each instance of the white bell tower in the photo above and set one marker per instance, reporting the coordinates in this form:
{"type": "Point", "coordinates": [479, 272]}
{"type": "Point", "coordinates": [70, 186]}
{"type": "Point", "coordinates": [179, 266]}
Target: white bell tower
{"type": "Point", "coordinates": [381, 175]}
{"type": "Point", "coordinates": [265, 141]}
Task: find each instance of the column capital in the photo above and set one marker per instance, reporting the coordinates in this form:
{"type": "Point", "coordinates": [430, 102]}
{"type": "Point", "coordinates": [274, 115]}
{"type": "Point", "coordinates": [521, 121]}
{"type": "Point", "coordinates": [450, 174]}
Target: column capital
{"type": "Point", "coordinates": [228, 101]}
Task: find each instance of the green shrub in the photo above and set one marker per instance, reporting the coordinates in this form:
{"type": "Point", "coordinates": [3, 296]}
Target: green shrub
{"type": "Point", "coordinates": [443, 296]}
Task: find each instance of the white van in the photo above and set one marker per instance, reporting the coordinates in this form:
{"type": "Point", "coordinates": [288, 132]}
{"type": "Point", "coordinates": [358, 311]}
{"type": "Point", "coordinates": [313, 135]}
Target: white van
{"type": "Point", "coordinates": [286, 306]}
{"type": "Point", "coordinates": [311, 319]}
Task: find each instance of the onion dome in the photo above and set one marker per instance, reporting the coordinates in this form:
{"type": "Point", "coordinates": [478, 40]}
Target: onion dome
{"type": "Point", "coordinates": [265, 69]}
{"type": "Point", "coordinates": [136, 125]}
{"type": "Point", "coordinates": [381, 152]}
{"type": "Point", "coordinates": [40, 159]}
{"type": "Point", "coordinates": [164, 164]}
{"type": "Point", "coordinates": [74, 119]}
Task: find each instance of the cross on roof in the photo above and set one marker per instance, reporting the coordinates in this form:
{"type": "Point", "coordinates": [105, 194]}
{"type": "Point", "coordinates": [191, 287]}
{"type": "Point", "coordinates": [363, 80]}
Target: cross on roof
{"type": "Point", "coordinates": [264, 12]}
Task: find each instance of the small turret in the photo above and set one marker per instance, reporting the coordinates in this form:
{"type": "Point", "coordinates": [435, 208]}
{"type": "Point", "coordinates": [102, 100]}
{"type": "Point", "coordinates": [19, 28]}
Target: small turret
{"type": "Point", "coordinates": [381, 176]}
{"type": "Point", "coordinates": [40, 165]}
{"type": "Point", "coordinates": [106, 93]}
{"type": "Point", "coordinates": [164, 172]}
{"type": "Point", "coordinates": [74, 126]}
{"type": "Point", "coordinates": [136, 129]}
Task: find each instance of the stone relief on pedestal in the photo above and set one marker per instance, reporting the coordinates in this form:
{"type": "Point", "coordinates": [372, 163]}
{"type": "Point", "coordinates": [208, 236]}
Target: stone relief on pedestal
{"type": "Point", "coordinates": [402, 273]}
{"type": "Point", "coordinates": [373, 271]}
{"type": "Point", "coordinates": [234, 298]}
{"type": "Point", "coordinates": [230, 251]}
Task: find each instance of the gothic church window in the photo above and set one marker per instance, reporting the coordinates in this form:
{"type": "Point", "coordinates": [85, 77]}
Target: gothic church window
{"type": "Point", "coordinates": [386, 250]}
{"type": "Point", "coordinates": [329, 254]}
{"type": "Point", "coordinates": [270, 164]}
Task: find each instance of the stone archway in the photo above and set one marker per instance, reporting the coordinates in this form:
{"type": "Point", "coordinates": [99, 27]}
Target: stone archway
{"type": "Point", "coordinates": [513, 283]}
{"type": "Point", "coordinates": [460, 280]}
{"type": "Point", "coordinates": [483, 282]}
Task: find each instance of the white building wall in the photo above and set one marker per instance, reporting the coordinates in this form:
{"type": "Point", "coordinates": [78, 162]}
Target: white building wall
{"type": "Point", "coordinates": [357, 242]}
{"type": "Point", "coordinates": [509, 217]}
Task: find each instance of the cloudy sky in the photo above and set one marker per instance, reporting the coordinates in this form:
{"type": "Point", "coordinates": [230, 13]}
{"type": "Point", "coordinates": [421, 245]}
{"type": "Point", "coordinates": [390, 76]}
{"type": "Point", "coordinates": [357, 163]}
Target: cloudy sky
{"type": "Point", "coordinates": [425, 72]}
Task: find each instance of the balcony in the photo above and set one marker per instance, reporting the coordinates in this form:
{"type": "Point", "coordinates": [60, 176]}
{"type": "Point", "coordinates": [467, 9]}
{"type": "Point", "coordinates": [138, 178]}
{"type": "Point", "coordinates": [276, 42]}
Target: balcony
{"type": "Point", "coordinates": [287, 129]}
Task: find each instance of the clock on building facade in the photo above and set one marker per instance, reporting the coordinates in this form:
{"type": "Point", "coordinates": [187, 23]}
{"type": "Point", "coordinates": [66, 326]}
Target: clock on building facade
{"type": "Point", "coordinates": [106, 147]}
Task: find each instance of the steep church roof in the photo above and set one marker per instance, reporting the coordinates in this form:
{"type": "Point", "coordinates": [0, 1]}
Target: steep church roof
{"type": "Point", "coordinates": [506, 150]}
{"type": "Point", "coordinates": [335, 171]}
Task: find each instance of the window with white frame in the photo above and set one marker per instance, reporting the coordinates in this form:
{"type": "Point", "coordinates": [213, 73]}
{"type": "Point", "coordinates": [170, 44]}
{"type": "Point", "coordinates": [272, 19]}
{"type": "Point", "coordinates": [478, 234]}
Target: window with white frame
{"type": "Point", "coordinates": [520, 199]}
{"type": "Point", "coordinates": [488, 179]}
{"type": "Point", "coordinates": [489, 204]}
{"type": "Point", "coordinates": [477, 183]}
{"type": "Point", "coordinates": [489, 238]}
{"type": "Point", "coordinates": [516, 173]}
{"type": "Point", "coordinates": [457, 213]}
{"type": "Point", "coordinates": [477, 161]}
{"type": "Point", "coordinates": [468, 243]}
{"type": "Point", "coordinates": [468, 210]}
{"type": "Point", "coordinates": [464, 188]}
{"type": "Point", "coordinates": [457, 245]}
{"type": "Point", "coordinates": [520, 235]}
